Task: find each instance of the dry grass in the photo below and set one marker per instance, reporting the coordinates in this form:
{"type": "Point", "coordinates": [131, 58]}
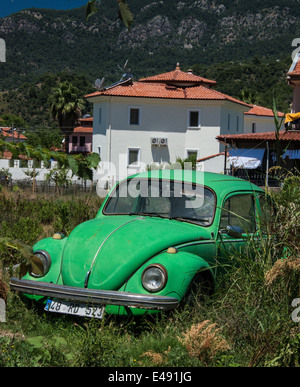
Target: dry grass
{"type": "Point", "coordinates": [204, 341]}
{"type": "Point", "coordinates": [156, 358]}
{"type": "Point", "coordinates": [286, 270]}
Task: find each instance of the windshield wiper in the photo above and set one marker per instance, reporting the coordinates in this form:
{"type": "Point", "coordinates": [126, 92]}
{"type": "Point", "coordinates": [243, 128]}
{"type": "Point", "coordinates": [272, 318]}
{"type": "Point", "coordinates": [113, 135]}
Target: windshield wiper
{"type": "Point", "coordinates": [151, 214]}
{"type": "Point", "coordinates": [195, 220]}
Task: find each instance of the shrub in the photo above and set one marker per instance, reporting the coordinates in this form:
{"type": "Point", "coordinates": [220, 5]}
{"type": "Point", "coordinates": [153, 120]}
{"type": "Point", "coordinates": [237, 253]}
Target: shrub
{"type": "Point", "coordinates": [204, 342]}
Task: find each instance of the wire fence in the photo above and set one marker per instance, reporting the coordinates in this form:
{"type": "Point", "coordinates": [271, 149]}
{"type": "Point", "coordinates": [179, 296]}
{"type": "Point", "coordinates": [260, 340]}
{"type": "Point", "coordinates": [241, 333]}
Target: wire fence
{"type": "Point", "coordinates": [256, 177]}
{"type": "Point", "coordinates": [49, 188]}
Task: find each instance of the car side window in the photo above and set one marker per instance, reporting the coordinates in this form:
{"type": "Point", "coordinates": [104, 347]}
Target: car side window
{"type": "Point", "coordinates": [239, 213]}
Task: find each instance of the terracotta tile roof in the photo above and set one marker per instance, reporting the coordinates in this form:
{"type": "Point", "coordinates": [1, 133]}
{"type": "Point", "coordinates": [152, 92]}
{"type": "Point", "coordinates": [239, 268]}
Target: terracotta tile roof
{"type": "Point", "coordinates": [4, 131]}
{"type": "Point", "coordinates": [88, 119]}
{"type": "Point", "coordinates": [6, 155]}
{"type": "Point", "coordinates": [295, 69]}
{"type": "Point", "coordinates": [83, 129]}
{"type": "Point", "coordinates": [262, 111]}
{"type": "Point", "coordinates": [171, 85]}
{"type": "Point", "coordinates": [161, 90]}
{"type": "Point", "coordinates": [290, 135]}
{"type": "Point", "coordinates": [179, 76]}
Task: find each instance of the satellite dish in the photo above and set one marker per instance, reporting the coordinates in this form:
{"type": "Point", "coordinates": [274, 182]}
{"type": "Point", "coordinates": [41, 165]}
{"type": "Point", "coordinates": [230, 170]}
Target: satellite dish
{"type": "Point", "coordinates": [99, 84]}
{"type": "Point", "coordinates": [124, 67]}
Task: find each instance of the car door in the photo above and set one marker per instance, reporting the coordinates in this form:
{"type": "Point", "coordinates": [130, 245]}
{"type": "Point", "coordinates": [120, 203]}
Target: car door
{"type": "Point", "coordinates": [238, 223]}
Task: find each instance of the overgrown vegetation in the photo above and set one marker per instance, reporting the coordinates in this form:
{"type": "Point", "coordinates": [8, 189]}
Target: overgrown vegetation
{"type": "Point", "coordinates": [246, 322]}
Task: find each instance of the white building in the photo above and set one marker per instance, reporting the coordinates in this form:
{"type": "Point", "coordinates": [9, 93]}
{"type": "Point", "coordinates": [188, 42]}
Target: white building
{"type": "Point", "coordinates": [260, 120]}
{"type": "Point", "coordinates": [160, 118]}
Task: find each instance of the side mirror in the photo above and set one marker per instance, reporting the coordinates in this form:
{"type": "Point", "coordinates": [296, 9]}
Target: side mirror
{"type": "Point", "coordinates": [234, 231]}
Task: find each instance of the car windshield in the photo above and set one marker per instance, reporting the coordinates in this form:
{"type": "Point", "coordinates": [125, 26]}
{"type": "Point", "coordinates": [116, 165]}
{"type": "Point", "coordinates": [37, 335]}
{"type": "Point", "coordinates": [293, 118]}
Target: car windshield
{"type": "Point", "coordinates": [163, 198]}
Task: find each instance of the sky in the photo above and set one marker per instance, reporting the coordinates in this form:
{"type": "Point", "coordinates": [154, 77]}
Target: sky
{"type": "Point", "coordinates": [8, 7]}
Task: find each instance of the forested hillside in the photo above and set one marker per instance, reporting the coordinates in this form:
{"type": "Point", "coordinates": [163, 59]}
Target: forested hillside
{"type": "Point", "coordinates": [244, 45]}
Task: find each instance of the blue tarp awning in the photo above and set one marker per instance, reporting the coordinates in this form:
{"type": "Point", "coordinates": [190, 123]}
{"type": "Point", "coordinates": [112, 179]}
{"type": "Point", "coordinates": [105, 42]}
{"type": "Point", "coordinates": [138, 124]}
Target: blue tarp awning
{"type": "Point", "coordinates": [252, 153]}
{"type": "Point", "coordinates": [292, 154]}
{"type": "Point", "coordinates": [246, 158]}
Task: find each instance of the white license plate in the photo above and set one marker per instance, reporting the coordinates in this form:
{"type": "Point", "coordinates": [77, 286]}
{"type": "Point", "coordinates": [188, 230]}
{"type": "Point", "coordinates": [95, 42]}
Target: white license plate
{"type": "Point", "coordinates": [74, 309]}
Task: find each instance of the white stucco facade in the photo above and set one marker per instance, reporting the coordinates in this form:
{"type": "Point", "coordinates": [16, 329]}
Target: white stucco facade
{"type": "Point", "coordinates": [260, 124]}
{"type": "Point", "coordinates": [114, 137]}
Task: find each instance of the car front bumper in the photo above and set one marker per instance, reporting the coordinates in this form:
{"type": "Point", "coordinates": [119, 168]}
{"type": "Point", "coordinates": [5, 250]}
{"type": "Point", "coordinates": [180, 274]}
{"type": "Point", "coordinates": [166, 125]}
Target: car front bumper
{"type": "Point", "coordinates": [92, 296]}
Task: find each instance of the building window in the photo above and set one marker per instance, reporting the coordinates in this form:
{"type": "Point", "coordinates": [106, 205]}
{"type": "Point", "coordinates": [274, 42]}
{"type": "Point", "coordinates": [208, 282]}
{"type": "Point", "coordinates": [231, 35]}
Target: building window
{"type": "Point", "coordinates": [82, 141]}
{"type": "Point", "coordinates": [99, 151]}
{"type": "Point", "coordinates": [74, 140]}
{"type": "Point", "coordinates": [253, 127]}
{"type": "Point", "coordinates": [134, 156]}
{"type": "Point", "coordinates": [194, 119]}
{"type": "Point", "coordinates": [228, 121]}
{"type": "Point", "coordinates": [100, 115]}
{"type": "Point", "coordinates": [192, 153]}
{"type": "Point", "coordinates": [237, 123]}
{"type": "Point", "coordinates": [134, 116]}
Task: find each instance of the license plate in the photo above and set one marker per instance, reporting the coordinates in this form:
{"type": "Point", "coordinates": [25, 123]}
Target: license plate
{"type": "Point", "coordinates": [74, 309]}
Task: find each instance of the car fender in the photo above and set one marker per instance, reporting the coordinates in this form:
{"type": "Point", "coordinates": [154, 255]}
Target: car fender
{"type": "Point", "coordinates": [182, 267]}
{"type": "Point", "coordinates": [54, 247]}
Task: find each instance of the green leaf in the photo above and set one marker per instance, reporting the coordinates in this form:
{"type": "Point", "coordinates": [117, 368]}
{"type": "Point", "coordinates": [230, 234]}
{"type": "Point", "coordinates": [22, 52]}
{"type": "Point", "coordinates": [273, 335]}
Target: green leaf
{"type": "Point", "coordinates": [73, 165]}
{"type": "Point", "coordinates": [30, 262]}
{"type": "Point", "coordinates": [93, 160]}
{"type": "Point", "coordinates": [91, 8]}
{"type": "Point", "coordinates": [125, 14]}
{"type": "Point", "coordinates": [85, 172]}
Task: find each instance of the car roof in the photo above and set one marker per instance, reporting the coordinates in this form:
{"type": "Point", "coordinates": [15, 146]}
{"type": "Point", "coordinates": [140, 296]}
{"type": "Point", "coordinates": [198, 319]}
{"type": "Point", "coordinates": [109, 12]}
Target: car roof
{"type": "Point", "coordinates": [218, 182]}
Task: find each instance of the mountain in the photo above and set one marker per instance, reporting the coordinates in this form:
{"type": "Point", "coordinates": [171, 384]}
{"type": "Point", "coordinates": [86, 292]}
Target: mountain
{"type": "Point", "coordinates": [163, 33]}
{"type": "Point", "coordinates": [197, 33]}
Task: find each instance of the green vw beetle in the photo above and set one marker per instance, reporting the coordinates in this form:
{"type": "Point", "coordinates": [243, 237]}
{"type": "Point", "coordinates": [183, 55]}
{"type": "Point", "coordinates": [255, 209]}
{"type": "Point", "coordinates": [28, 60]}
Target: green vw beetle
{"type": "Point", "coordinates": [156, 236]}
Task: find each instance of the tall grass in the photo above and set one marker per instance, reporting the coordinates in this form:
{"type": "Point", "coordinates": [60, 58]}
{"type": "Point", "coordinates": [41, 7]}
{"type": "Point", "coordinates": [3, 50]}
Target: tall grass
{"type": "Point", "coordinates": [246, 322]}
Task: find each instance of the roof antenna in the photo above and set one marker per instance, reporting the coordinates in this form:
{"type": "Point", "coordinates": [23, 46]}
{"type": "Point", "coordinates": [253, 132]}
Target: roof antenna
{"type": "Point", "coordinates": [99, 84]}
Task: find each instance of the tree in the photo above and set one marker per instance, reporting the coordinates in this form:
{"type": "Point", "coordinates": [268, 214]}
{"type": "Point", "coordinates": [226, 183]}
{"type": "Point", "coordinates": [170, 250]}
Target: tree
{"type": "Point", "coordinates": [81, 166]}
{"type": "Point", "coordinates": [66, 106]}
{"type": "Point", "coordinates": [60, 176]}
{"type": "Point", "coordinates": [45, 138]}
{"type": "Point", "coordinates": [124, 12]}
{"type": "Point", "coordinates": [248, 96]}
{"type": "Point", "coordinates": [10, 120]}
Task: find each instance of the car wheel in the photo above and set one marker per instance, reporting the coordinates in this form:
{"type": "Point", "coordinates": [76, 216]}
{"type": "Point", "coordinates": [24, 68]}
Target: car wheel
{"type": "Point", "coordinates": [200, 287]}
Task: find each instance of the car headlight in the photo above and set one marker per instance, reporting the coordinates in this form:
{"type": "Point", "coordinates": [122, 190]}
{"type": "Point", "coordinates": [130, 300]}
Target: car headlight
{"type": "Point", "coordinates": [154, 278]}
{"type": "Point", "coordinates": [40, 264]}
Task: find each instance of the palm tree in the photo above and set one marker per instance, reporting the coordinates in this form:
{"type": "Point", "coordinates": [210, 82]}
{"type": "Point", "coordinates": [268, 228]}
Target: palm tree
{"type": "Point", "coordinates": [65, 106]}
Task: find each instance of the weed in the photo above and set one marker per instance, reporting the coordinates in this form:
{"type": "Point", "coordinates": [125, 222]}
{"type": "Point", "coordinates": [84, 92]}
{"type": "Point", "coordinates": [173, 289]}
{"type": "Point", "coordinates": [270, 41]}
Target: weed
{"type": "Point", "coordinates": [203, 341]}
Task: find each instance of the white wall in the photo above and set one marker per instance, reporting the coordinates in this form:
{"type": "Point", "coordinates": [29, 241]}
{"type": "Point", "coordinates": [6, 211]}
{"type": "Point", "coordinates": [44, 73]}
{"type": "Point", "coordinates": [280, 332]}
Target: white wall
{"type": "Point", "coordinates": [17, 173]}
{"type": "Point", "coordinates": [263, 123]}
{"type": "Point", "coordinates": [215, 164]}
{"type": "Point", "coordinates": [159, 119]}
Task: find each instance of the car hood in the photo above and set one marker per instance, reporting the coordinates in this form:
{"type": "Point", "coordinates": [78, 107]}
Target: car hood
{"type": "Point", "coordinates": [112, 248]}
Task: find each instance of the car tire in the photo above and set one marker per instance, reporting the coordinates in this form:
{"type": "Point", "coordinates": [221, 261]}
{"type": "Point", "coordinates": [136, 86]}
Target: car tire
{"type": "Point", "coordinates": [200, 287]}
